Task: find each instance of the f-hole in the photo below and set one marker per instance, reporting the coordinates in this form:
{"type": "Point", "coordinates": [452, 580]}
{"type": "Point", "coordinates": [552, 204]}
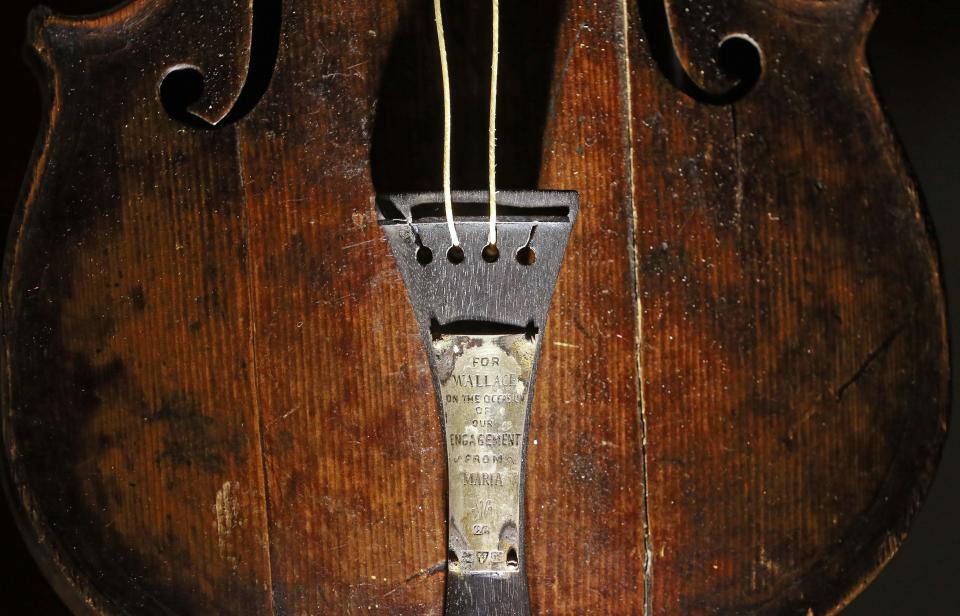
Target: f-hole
{"type": "Point", "coordinates": [738, 55]}
{"type": "Point", "coordinates": [183, 85]}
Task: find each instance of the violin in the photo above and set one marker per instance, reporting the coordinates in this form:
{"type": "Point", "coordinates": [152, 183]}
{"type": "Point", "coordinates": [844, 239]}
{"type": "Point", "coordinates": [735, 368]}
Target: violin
{"type": "Point", "coordinates": [423, 307]}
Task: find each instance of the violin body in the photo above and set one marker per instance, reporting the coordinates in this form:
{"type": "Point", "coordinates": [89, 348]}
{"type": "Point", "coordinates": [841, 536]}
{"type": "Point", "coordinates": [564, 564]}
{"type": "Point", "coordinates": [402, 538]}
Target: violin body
{"type": "Point", "coordinates": [215, 395]}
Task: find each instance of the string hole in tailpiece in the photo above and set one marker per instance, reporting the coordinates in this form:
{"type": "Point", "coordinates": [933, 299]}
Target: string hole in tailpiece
{"type": "Point", "coordinates": [452, 559]}
{"type": "Point", "coordinates": [424, 255]}
{"type": "Point", "coordinates": [526, 256]}
{"type": "Point", "coordinates": [512, 561]}
{"type": "Point", "coordinates": [491, 253]}
{"type": "Point", "coordinates": [455, 255]}
{"type": "Point", "coordinates": [530, 331]}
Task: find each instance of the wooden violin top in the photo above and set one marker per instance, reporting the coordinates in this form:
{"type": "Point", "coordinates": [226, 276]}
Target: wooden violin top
{"type": "Point", "coordinates": [215, 396]}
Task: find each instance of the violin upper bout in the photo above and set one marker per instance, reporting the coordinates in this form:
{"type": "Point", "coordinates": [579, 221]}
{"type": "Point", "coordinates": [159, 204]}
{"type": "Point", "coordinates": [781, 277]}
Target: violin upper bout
{"type": "Point", "coordinates": [723, 47]}
{"type": "Point", "coordinates": [159, 37]}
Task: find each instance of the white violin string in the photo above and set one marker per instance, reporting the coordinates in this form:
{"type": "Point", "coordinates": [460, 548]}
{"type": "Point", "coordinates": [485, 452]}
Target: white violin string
{"type": "Point", "coordinates": [447, 129]}
{"type": "Point", "coordinates": [492, 145]}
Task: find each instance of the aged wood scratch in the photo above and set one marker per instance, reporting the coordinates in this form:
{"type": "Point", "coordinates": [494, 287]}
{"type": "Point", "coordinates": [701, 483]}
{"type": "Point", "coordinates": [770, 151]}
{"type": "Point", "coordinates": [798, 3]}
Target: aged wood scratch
{"type": "Point", "coordinates": [228, 518]}
{"type": "Point", "coordinates": [738, 164]}
{"type": "Point", "coordinates": [872, 357]}
{"type": "Point", "coordinates": [376, 239]}
{"type": "Point", "coordinates": [433, 569]}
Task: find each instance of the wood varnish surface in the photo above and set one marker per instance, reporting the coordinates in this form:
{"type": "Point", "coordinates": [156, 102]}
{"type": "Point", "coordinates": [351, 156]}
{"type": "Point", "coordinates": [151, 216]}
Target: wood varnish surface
{"type": "Point", "coordinates": [216, 399]}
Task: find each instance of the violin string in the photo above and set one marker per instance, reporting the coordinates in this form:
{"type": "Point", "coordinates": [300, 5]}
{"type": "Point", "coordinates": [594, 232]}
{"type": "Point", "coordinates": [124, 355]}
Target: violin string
{"type": "Point", "coordinates": [492, 144]}
{"type": "Point", "coordinates": [447, 129]}
{"type": "Point", "coordinates": [447, 124]}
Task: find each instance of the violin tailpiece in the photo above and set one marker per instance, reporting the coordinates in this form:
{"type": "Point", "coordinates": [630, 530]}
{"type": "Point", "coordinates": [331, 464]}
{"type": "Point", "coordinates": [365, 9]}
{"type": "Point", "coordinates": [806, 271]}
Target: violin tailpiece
{"type": "Point", "coordinates": [481, 317]}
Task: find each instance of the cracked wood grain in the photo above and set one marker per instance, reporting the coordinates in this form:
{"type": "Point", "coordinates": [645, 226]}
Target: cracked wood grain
{"type": "Point", "coordinates": [871, 357]}
{"type": "Point", "coordinates": [623, 60]}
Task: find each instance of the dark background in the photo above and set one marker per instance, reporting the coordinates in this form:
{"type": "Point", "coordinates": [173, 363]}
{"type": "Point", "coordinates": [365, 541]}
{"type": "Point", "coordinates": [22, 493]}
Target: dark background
{"type": "Point", "coordinates": [914, 54]}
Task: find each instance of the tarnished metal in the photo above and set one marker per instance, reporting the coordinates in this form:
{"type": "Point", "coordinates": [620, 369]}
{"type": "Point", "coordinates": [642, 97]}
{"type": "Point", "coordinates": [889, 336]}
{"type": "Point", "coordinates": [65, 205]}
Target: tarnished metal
{"type": "Point", "coordinates": [484, 380]}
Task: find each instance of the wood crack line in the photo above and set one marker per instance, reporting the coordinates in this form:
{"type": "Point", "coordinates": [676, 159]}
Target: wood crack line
{"type": "Point", "coordinates": [254, 372]}
{"type": "Point", "coordinates": [872, 357]}
{"type": "Point", "coordinates": [626, 95]}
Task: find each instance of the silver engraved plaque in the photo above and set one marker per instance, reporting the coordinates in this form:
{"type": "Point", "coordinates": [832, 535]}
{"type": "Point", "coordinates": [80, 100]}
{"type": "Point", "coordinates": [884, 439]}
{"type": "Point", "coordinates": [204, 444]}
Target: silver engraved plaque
{"type": "Point", "coordinates": [484, 385]}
